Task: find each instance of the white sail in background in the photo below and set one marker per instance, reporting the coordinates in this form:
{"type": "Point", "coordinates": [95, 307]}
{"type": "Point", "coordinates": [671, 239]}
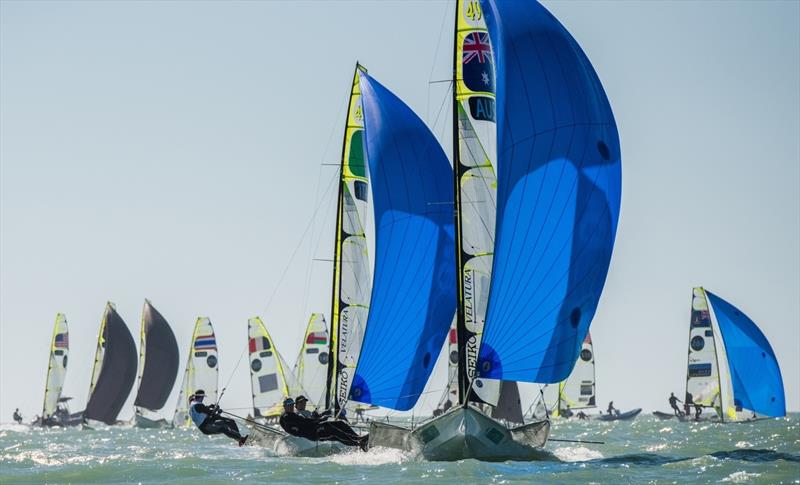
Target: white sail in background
{"type": "Point", "coordinates": [703, 382]}
{"type": "Point", "coordinates": [311, 367]}
{"type": "Point", "coordinates": [57, 366]}
{"type": "Point", "coordinates": [202, 370]}
{"type": "Point", "coordinates": [578, 391]}
{"type": "Point", "coordinates": [271, 380]}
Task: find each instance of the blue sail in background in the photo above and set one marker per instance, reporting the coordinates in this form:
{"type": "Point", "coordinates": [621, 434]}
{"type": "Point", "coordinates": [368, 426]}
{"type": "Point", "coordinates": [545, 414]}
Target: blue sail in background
{"type": "Point", "coordinates": [414, 289]}
{"type": "Point", "coordinates": [755, 374]}
{"type": "Point", "coordinates": [558, 196]}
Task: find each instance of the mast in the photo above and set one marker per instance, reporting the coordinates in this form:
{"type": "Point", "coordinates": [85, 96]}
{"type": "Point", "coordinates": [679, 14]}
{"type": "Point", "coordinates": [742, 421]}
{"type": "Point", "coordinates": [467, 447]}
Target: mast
{"type": "Point", "coordinates": [462, 382]}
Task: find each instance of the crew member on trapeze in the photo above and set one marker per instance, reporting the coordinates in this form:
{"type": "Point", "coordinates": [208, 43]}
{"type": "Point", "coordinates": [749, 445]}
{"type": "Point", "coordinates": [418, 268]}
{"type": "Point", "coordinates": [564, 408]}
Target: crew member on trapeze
{"type": "Point", "coordinates": [208, 419]}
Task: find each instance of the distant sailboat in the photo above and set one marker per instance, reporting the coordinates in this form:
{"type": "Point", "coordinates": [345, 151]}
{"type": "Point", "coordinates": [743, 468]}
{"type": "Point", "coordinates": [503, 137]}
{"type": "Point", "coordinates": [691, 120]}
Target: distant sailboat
{"type": "Point", "coordinates": [271, 379]}
{"type": "Point", "coordinates": [731, 365]}
{"type": "Point", "coordinates": [202, 370]}
{"type": "Point", "coordinates": [311, 367]}
{"type": "Point", "coordinates": [158, 368]}
{"type": "Point", "coordinates": [578, 390]}
{"type": "Point", "coordinates": [114, 369]}
{"type": "Point", "coordinates": [55, 411]}
{"type": "Point", "coordinates": [558, 195]}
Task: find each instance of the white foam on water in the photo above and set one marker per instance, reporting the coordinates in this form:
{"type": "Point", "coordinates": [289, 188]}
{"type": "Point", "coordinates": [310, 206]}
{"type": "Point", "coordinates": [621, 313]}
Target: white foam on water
{"type": "Point", "coordinates": [16, 428]}
{"type": "Point", "coordinates": [375, 456]}
{"type": "Point", "coordinates": [577, 453]}
{"type": "Point", "coordinates": [741, 477]}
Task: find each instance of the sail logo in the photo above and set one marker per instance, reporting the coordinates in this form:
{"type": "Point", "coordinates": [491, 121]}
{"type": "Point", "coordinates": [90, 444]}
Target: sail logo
{"type": "Point", "coordinates": [472, 356]}
{"type": "Point", "coordinates": [481, 108]}
{"type": "Point", "coordinates": [469, 313]}
{"type": "Point", "coordinates": [473, 11]}
{"type": "Point", "coordinates": [478, 68]}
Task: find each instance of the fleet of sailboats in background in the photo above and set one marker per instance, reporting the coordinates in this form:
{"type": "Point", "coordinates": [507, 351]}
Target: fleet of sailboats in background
{"type": "Point", "coordinates": [501, 257]}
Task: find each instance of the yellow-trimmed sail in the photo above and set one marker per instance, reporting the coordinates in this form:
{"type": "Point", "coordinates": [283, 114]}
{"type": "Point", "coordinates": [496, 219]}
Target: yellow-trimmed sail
{"type": "Point", "coordinates": [351, 278]}
{"type": "Point", "coordinates": [202, 370]}
{"type": "Point", "coordinates": [476, 186]}
{"type": "Point", "coordinates": [100, 351]}
{"type": "Point", "coordinates": [271, 380]}
{"type": "Point", "coordinates": [311, 366]}
{"type": "Point", "coordinates": [57, 366]}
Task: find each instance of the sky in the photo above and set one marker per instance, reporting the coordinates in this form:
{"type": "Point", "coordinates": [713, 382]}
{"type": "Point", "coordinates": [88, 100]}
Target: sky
{"type": "Point", "coordinates": [185, 151]}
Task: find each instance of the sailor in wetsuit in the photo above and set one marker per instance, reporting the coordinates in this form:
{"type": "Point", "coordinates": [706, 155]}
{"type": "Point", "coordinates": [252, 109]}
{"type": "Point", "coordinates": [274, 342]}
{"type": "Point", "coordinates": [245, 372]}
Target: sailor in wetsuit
{"type": "Point", "coordinates": [209, 421]}
{"type": "Point", "coordinates": [673, 402]}
{"type": "Point", "coordinates": [17, 416]}
{"type": "Point", "coordinates": [318, 429]}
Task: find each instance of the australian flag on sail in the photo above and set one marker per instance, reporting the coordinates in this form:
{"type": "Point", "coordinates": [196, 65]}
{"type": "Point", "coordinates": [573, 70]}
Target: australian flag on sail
{"type": "Point", "coordinates": [205, 342]}
{"type": "Point", "coordinates": [62, 340]}
{"type": "Point", "coordinates": [478, 67]}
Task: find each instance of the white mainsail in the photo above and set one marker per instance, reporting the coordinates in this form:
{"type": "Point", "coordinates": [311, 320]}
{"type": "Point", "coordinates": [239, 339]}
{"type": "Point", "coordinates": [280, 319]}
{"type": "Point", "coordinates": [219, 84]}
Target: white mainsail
{"type": "Point", "coordinates": [311, 367]}
{"type": "Point", "coordinates": [202, 370]}
{"type": "Point", "coordinates": [57, 366]}
{"type": "Point", "coordinates": [271, 380]}
{"type": "Point", "coordinates": [578, 390]}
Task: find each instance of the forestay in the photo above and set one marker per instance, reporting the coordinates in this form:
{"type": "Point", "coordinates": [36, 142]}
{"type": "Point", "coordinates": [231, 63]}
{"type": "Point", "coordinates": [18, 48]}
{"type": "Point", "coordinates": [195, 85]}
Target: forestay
{"type": "Point", "coordinates": [56, 367]}
{"type": "Point", "coordinates": [202, 370]}
{"type": "Point", "coordinates": [413, 295]}
{"type": "Point", "coordinates": [558, 196]}
{"type": "Point", "coordinates": [271, 380]}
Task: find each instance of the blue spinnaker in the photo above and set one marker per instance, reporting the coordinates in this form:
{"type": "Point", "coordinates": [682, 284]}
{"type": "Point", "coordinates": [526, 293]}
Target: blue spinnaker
{"type": "Point", "coordinates": [413, 294]}
{"type": "Point", "coordinates": [755, 374]}
{"type": "Point", "coordinates": [558, 196]}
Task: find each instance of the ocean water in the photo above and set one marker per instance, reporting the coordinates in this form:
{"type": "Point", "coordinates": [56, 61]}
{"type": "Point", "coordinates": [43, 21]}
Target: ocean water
{"type": "Point", "coordinates": [646, 450]}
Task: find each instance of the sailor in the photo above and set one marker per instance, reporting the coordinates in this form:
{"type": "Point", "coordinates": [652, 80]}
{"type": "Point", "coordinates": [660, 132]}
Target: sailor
{"type": "Point", "coordinates": [208, 419]}
{"type": "Point", "coordinates": [611, 409]}
{"type": "Point", "coordinates": [300, 403]}
{"type": "Point", "coordinates": [687, 403]}
{"type": "Point", "coordinates": [567, 413]}
{"type": "Point", "coordinates": [581, 415]}
{"type": "Point", "coordinates": [318, 429]}
{"type": "Point", "coordinates": [673, 401]}
{"type": "Point", "coordinates": [17, 416]}
{"type": "Point", "coordinates": [698, 410]}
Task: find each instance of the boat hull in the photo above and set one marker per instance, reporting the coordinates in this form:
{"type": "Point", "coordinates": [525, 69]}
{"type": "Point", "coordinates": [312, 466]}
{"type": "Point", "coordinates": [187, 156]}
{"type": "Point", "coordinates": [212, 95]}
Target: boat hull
{"type": "Point", "coordinates": [147, 423]}
{"type": "Point", "coordinates": [463, 433]}
{"type": "Point", "coordinates": [626, 416]}
{"type": "Point", "coordinates": [285, 444]}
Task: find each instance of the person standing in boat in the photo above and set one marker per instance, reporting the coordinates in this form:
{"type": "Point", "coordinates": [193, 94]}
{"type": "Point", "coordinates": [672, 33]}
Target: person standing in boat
{"type": "Point", "coordinates": [208, 419]}
{"type": "Point", "coordinates": [17, 416]}
{"type": "Point", "coordinates": [318, 429]}
{"type": "Point", "coordinates": [611, 409]}
{"type": "Point", "coordinates": [688, 402]}
{"type": "Point", "coordinates": [673, 402]}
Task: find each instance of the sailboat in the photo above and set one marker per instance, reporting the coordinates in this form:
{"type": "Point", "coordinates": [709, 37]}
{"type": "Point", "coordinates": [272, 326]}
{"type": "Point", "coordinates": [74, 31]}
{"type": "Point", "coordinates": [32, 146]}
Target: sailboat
{"type": "Point", "coordinates": [55, 411]}
{"type": "Point", "coordinates": [114, 369]}
{"type": "Point", "coordinates": [578, 390]}
{"type": "Point", "coordinates": [731, 366]}
{"type": "Point", "coordinates": [158, 368]}
{"type": "Point", "coordinates": [202, 370]}
{"type": "Point", "coordinates": [557, 203]}
{"type": "Point", "coordinates": [311, 366]}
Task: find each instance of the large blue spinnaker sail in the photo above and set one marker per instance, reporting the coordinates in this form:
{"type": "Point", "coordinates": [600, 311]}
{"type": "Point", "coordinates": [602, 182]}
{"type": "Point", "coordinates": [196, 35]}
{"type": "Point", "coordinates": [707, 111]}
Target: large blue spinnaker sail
{"type": "Point", "coordinates": [558, 196]}
{"type": "Point", "coordinates": [413, 294]}
{"type": "Point", "coordinates": [754, 370]}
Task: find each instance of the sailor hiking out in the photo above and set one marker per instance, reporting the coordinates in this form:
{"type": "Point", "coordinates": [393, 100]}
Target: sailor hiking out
{"type": "Point", "coordinates": [208, 419]}
{"type": "Point", "coordinates": [317, 428]}
{"type": "Point", "coordinates": [17, 416]}
{"type": "Point", "coordinates": [673, 402]}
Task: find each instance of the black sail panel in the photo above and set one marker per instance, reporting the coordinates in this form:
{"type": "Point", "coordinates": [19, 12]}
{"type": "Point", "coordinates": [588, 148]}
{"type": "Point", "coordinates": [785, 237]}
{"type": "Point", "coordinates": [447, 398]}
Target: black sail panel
{"type": "Point", "coordinates": [118, 371]}
{"type": "Point", "coordinates": [160, 360]}
{"type": "Point", "coordinates": [509, 406]}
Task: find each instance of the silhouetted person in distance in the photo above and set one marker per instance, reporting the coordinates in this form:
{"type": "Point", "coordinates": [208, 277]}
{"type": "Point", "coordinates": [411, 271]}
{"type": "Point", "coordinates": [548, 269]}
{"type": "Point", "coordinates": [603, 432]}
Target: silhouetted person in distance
{"type": "Point", "coordinates": [611, 409]}
{"type": "Point", "coordinates": [582, 416]}
{"type": "Point", "coordinates": [673, 402]}
{"type": "Point", "coordinates": [208, 419]}
{"type": "Point", "coordinates": [17, 416]}
{"type": "Point", "coordinates": [567, 412]}
{"type": "Point", "coordinates": [318, 429]}
{"type": "Point", "coordinates": [698, 410]}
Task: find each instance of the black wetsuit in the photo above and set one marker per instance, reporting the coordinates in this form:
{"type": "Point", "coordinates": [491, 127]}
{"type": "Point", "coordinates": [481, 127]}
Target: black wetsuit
{"type": "Point", "coordinates": [673, 401]}
{"type": "Point", "coordinates": [317, 429]}
{"type": "Point", "coordinates": [216, 424]}
{"type": "Point", "coordinates": [17, 417]}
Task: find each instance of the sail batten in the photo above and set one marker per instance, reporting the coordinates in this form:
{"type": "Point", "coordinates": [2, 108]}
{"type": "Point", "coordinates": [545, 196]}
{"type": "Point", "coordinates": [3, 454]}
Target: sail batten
{"type": "Point", "coordinates": [413, 296]}
{"type": "Point", "coordinates": [558, 196]}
